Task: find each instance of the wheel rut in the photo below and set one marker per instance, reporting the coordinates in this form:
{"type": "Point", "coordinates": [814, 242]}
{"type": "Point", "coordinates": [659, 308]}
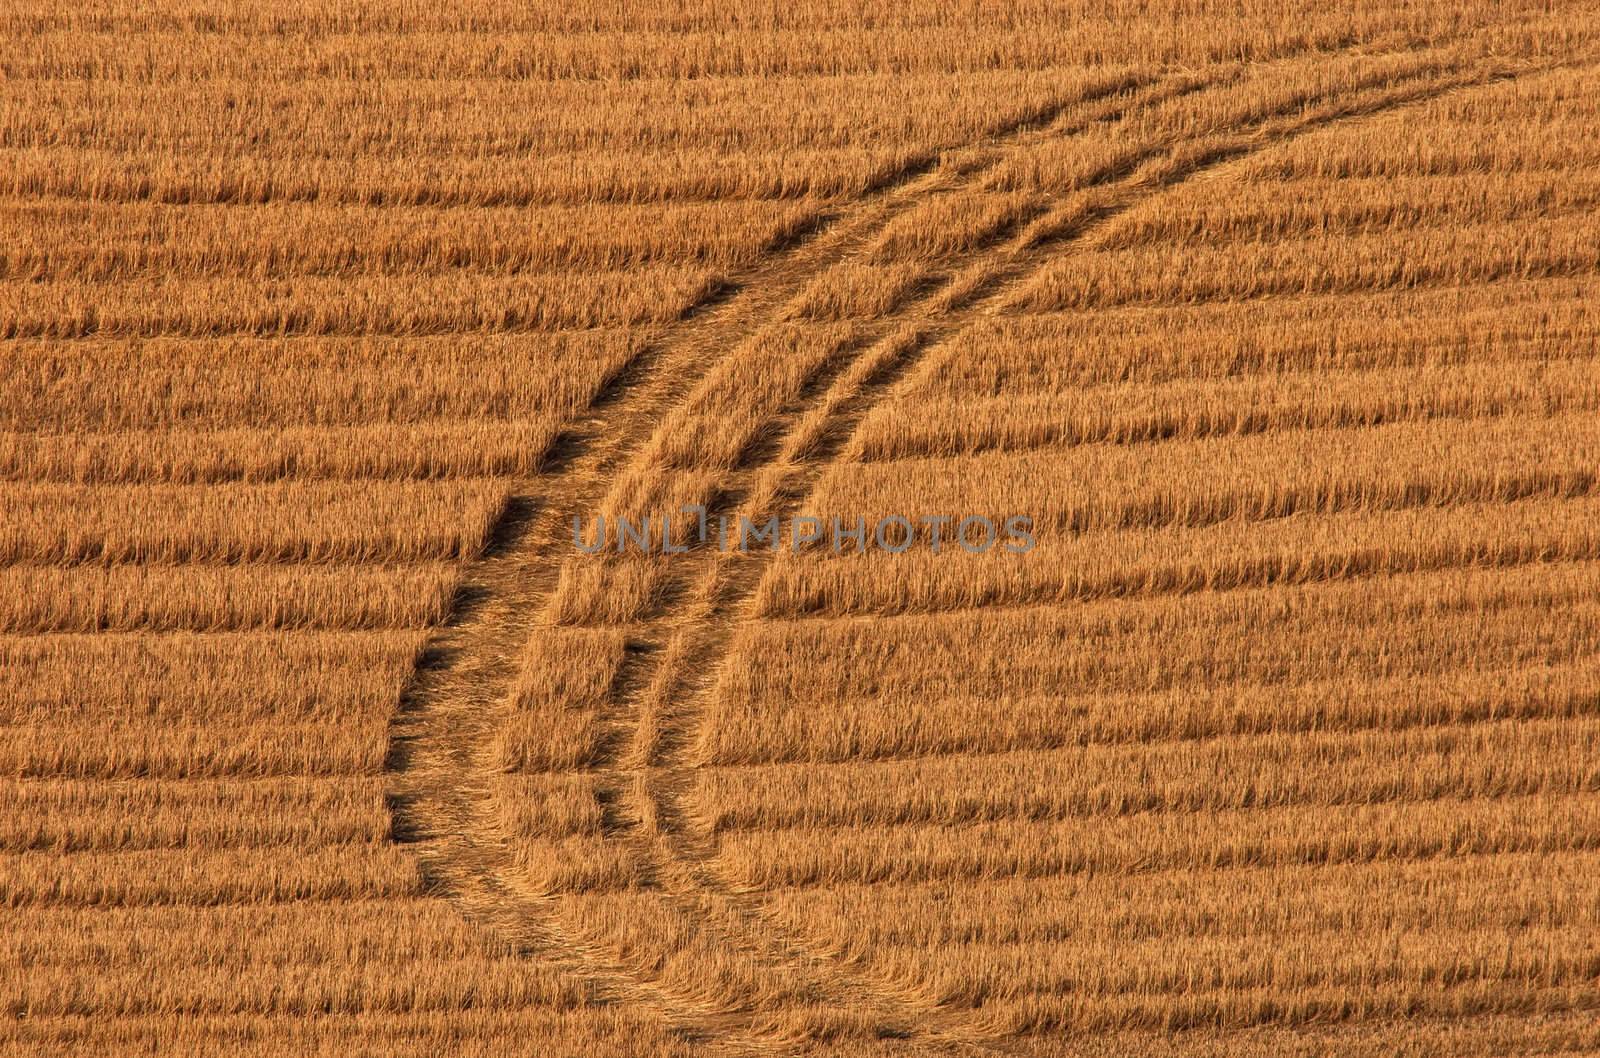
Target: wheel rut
{"type": "Point", "coordinates": [440, 789]}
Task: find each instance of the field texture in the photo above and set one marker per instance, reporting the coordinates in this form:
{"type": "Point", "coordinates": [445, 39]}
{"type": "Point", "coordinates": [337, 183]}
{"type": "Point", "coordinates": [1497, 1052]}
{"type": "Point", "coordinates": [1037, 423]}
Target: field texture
{"type": "Point", "coordinates": [319, 324]}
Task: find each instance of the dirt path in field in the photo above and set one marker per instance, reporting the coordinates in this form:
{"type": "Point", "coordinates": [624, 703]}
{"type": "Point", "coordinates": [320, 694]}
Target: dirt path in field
{"type": "Point", "coordinates": [441, 770]}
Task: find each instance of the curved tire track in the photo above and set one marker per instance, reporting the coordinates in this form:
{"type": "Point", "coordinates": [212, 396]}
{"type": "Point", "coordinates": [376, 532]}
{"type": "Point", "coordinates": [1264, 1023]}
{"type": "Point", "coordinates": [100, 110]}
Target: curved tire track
{"type": "Point", "coordinates": [441, 796]}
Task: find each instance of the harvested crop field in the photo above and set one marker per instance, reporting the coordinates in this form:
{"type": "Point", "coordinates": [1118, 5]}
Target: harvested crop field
{"type": "Point", "coordinates": [1265, 336]}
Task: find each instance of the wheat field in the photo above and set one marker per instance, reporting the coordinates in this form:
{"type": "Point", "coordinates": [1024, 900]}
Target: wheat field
{"type": "Point", "coordinates": [321, 733]}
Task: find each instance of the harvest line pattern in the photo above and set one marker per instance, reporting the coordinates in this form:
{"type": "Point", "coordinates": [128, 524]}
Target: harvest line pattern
{"type": "Point", "coordinates": [1283, 739]}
